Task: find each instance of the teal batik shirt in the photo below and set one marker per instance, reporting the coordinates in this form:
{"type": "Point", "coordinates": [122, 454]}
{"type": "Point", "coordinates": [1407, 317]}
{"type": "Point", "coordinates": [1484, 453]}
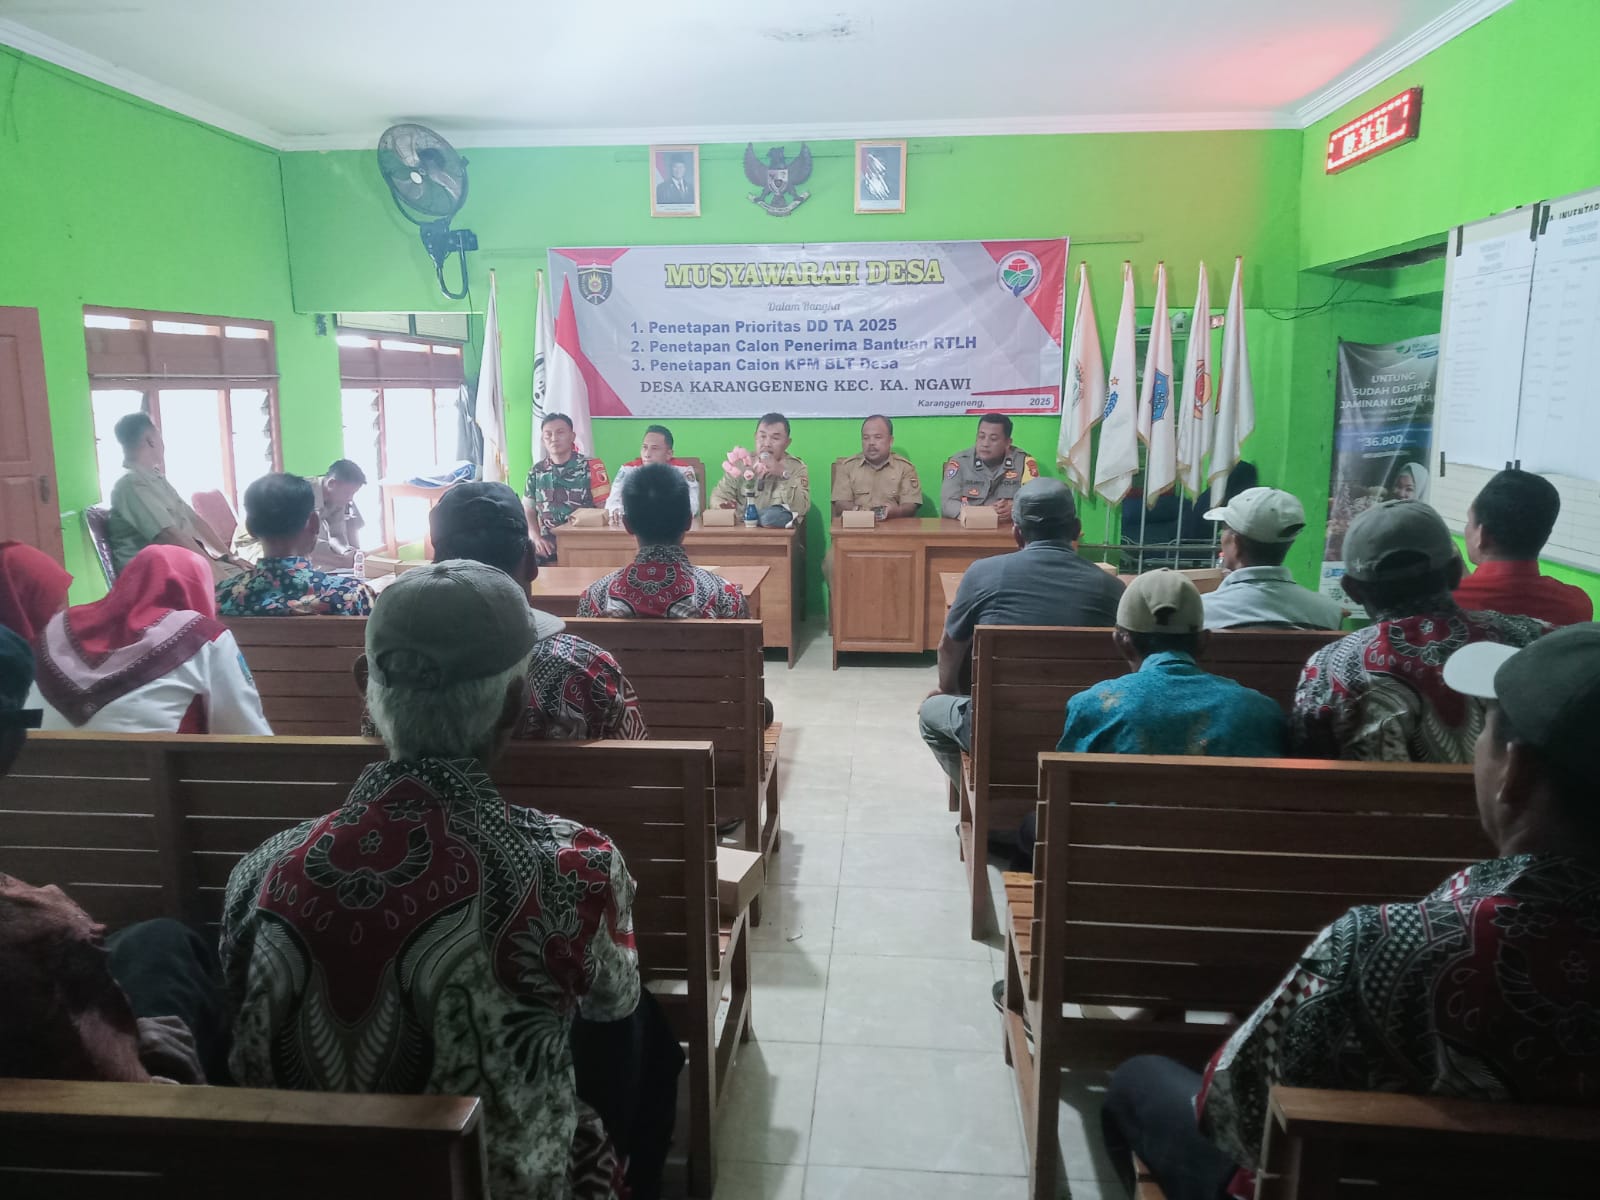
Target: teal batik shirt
{"type": "Point", "coordinates": [1170, 706]}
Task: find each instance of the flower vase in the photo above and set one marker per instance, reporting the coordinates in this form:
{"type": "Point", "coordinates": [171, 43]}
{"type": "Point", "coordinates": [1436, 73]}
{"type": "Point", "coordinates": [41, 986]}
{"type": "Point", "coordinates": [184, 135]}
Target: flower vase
{"type": "Point", "coordinates": [751, 517]}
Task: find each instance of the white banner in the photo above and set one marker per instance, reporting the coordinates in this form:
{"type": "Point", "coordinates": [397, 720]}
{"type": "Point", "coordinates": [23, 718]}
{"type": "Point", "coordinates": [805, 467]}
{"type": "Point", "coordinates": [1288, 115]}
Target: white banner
{"type": "Point", "coordinates": [904, 328]}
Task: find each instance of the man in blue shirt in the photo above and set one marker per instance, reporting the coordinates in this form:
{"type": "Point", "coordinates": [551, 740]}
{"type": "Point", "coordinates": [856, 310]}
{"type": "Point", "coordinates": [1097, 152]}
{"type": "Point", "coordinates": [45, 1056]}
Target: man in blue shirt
{"type": "Point", "coordinates": [1258, 527]}
{"type": "Point", "coordinates": [1044, 583]}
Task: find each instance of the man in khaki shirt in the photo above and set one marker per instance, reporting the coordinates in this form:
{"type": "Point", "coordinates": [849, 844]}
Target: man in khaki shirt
{"type": "Point", "coordinates": [783, 492]}
{"type": "Point", "coordinates": [147, 510]}
{"type": "Point", "coordinates": [877, 478]}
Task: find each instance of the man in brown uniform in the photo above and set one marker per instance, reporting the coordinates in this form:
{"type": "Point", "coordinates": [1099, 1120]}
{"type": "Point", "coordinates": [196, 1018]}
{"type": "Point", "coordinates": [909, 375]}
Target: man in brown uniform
{"type": "Point", "coordinates": [877, 478]}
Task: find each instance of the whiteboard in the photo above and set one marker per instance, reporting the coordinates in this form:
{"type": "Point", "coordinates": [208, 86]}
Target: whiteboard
{"type": "Point", "coordinates": [1520, 362]}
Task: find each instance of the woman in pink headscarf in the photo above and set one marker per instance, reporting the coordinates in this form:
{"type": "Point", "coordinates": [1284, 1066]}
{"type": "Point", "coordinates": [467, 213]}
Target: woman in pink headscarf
{"type": "Point", "coordinates": [149, 658]}
{"type": "Point", "coordinates": [33, 588]}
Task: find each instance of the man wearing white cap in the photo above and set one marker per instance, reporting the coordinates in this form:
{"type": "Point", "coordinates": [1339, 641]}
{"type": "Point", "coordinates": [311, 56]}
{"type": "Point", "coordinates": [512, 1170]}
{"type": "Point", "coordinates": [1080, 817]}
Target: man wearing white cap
{"type": "Point", "coordinates": [1258, 527]}
{"type": "Point", "coordinates": [1486, 989]}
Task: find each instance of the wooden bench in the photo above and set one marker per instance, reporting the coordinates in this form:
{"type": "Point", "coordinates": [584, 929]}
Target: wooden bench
{"type": "Point", "coordinates": [703, 679]}
{"type": "Point", "coordinates": [142, 825]}
{"type": "Point", "coordinates": [304, 668]}
{"type": "Point", "coordinates": [1022, 678]}
{"type": "Point", "coordinates": [128, 1141]}
{"type": "Point", "coordinates": [1190, 885]}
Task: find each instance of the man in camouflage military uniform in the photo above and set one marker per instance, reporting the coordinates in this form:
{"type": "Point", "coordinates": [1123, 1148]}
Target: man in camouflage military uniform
{"type": "Point", "coordinates": [560, 483]}
{"type": "Point", "coordinates": [989, 473]}
{"type": "Point", "coordinates": [877, 478]}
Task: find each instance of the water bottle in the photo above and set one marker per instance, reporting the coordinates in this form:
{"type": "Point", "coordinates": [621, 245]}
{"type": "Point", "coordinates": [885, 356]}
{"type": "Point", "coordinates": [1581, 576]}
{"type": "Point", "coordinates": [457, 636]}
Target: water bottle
{"type": "Point", "coordinates": [360, 565]}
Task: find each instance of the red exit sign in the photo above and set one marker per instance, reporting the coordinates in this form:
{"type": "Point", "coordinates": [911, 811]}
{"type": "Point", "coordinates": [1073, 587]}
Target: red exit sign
{"type": "Point", "coordinates": [1385, 127]}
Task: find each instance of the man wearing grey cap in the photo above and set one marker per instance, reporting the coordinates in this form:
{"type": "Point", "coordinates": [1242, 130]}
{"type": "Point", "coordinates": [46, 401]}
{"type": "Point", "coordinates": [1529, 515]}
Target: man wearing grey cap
{"type": "Point", "coordinates": [1378, 695]}
{"type": "Point", "coordinates": [1044, 583]}
{"type": "Point", "coordinates": [1258, 527]}
{"type": "Point", "coordinates": [1486, 989]}
{"type": "Point", "coordinates": [429, 937]}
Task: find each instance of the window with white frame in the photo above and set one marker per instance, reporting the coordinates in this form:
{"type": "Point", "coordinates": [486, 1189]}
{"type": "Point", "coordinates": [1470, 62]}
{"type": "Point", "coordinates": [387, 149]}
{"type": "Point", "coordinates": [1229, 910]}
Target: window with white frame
{"type": "Point", "coordinates": [209, 383]}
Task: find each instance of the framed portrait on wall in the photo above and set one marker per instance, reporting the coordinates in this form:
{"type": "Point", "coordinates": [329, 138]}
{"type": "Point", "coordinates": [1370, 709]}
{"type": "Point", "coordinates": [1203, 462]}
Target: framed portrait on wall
{"type": "Point", "coordinates": [674, 181]}
{"type": "Point", "coordinates": [880, 177]}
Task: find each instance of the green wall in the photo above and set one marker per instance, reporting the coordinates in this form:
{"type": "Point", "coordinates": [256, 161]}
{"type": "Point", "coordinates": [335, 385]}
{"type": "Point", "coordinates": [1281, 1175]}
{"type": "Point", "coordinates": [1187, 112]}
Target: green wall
{"type": "Point", "coordinates": [349, 249]}
{"type": "Point", "coordinates": [1510, 115]}
{"type": "Point", "coordinates": [111, 201]}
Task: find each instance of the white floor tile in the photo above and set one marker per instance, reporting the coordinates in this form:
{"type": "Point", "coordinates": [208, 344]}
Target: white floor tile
{"type": "Point", "coordinates": [766, 1114]}
{"type": "Point", "coordinates": [790, 991]}
{"type": "Point", "coordinates": [876, 808]}
{"type": "Point", "coordinates": [814, 809]}
{"type": "Point", "coordinates": [904, 924]}
{"type": "Point", "coordinates": [795, 919]}
{"type": "Point", "coordinates": [827, 775]}
{"type": "Point", "coordinates": [759, 1181]}
{"type": "Point", "coordinates": [871, 1183]}
{"type": "Point", "coordinates": [1082, 1149]}
{"type": "Point", "coordinates": [939, 1004]}
{"type": "Point", "coordinates": [808, 859]}
{"type": "Point", "coordinates": [915, 1109]}
{"type": "Point", "coordinates": [929, 862]}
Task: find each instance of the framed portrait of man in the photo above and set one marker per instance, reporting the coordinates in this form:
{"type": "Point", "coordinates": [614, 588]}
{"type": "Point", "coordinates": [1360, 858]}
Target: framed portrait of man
{"type": "Point", "coordinates": [674, 181]}
{"type": "Point", "coordinates": [880, 177]}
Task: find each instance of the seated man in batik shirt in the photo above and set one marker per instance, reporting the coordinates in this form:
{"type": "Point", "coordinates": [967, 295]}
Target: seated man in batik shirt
{"type": "Point", "coordinates": [661, 581]}
{"type": "Point", "coordinates": [280, 511]}
{"type": "Point", "coordinates": [1487, 989]}
{"type": "Point", "coordinates": [560, 483]}
{"type": "Point", "coordinates": [428, 936]}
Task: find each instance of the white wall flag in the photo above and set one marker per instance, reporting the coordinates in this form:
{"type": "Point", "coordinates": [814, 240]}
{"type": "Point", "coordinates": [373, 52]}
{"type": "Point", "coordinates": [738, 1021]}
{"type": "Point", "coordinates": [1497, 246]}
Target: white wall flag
{"type": "Point", "coordinates": [1119, 442]}
{"type": "Point", "coordinates": [544, 338]}
{"type": "Point", "coordinates": [1157, 426]}
{"type": "Point", "coordinates": [1236, 397]}
{"type": "Point", "coordinates": [489, 406]}
{"type": "Point", "coordinates": [1194, 393]}
{"type": "Point", "coordinates": [1086, 389]}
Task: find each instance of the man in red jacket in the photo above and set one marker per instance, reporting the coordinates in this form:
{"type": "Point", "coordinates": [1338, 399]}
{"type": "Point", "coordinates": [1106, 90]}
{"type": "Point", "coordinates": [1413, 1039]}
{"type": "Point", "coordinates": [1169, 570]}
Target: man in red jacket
{"type": "Point", "coordinates": [1507, 525]}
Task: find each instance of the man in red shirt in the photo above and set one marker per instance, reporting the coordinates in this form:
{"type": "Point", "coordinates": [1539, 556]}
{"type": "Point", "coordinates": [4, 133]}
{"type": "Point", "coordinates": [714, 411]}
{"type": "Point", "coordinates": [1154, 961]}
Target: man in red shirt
{"type": "Point", "coordinates": [1507, 525]}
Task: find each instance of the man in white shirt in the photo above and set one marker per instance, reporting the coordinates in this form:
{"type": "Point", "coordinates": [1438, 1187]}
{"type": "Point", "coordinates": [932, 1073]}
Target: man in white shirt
{"type": "Point", "coordinates": [1258, 527]}
{"type": "Point", "coordinates": [656, 448]}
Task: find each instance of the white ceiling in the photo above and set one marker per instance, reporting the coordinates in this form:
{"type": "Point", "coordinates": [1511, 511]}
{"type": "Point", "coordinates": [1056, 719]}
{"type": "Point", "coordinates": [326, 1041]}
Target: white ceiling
{"type": "Point", "coordinates": [333, 73]}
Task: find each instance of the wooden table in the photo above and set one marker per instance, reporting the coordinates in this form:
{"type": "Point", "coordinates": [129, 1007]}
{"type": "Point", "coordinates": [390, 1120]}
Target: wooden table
{"type": "Point", "coordinates": [558, 589]}
{"type": "Point", "coordinates": [887, 594]}
{"type": "Point", "coordinates": [781, 551]}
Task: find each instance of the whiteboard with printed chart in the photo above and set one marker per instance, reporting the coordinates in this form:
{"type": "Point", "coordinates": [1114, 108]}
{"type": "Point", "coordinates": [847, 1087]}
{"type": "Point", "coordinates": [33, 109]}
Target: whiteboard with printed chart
{"type": "Point", "coordinates": [818, 330]}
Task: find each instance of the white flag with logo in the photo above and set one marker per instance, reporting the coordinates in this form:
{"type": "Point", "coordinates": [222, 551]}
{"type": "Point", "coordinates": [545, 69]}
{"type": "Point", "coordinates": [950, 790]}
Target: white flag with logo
{"type": "Point", "coordinates": [489, 406]}
{"type": "Point", "coordinates": [1086, 389]}
{"type": "Point", "coordinates": [1194, 393]}
{"type": "Point", "coordinates": [544, 337]}
{"type": "Point", "coordinates": [1119, 440]}
{"type": "Point", "coordinates": [1236, 397]}
{"type": "Point", "coordinates": [1158, 427]}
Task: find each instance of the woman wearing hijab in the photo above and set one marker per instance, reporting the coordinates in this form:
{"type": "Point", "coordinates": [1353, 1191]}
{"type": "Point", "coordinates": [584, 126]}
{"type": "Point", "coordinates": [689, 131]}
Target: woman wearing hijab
{"type": "Point", "coordinates": [1411, 483]}
{"type": "Point", "coordinates": [33, 588]}
{"type": "Point", "coordinates": [149, 658]}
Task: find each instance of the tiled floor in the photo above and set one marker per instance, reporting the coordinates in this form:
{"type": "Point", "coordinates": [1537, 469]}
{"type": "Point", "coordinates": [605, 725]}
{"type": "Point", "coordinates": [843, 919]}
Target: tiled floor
{"type": "Point", "coordinates": [876, 1072]}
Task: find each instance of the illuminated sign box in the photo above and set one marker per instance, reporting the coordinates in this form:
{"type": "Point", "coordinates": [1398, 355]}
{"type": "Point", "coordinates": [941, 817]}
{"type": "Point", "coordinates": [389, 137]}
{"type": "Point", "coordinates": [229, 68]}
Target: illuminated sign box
{"type": "Point", "coordinates": [1391, 124]}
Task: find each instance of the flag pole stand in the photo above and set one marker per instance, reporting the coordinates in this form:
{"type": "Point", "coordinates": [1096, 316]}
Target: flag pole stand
{"type": "Point", "coordinates": [1105, 538]}
{"type": "Point", "coordinates": [1144, 514]}
{"type": "Point", "coordinates": [1177, 535]}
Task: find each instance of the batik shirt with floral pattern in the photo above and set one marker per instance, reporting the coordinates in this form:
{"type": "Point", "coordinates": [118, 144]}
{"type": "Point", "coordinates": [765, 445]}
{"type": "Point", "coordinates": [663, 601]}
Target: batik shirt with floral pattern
{"type": "Point", "coordinates": [292, 587]}
{"type": "Point", "coordinates": [662, 582]}
{"type": "Point", "coordinates": [1488, 989]}
{"type": "Point", "coordinates": [428, 937]}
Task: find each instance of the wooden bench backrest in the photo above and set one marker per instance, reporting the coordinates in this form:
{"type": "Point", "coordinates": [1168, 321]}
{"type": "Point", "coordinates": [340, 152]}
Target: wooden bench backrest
{"type": "Point", "coordinates": [303, 667]}
{"type": "Point", "coordinates": [61, 1138]}
{"type": "Point", "coordinates": [1023, 676]}
{"type": "Point", "coordinates": [135, 826]}
{"type": "Point", "coordinates": [1324, 1144]}
{"type": "Point", "coordinates": [1193, 883]}
{"type": "Point", "coordinates": [699, 680]}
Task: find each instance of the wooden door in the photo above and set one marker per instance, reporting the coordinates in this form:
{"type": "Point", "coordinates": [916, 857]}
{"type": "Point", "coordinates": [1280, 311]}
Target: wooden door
{"type": "Point", "coordinates": [29, 511]}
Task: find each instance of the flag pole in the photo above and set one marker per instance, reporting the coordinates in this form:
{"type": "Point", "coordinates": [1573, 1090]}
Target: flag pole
{"type": "Point", "coordinates": [1144, 506]}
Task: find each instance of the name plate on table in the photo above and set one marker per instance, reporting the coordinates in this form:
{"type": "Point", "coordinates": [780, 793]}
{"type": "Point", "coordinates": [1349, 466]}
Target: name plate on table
{"type": "Point", "coordinates": [978, 516]}
{"type": "Point", "coordinates": [858, 518]}
{"type": "Point", "coordinates": [587, 518]}
{"type": "Point", "coordinates": [714, 518]}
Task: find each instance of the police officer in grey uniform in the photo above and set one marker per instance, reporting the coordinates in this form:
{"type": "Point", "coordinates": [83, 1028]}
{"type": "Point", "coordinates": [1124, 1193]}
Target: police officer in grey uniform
{"type": "Point", "coordinates": [989, 473]}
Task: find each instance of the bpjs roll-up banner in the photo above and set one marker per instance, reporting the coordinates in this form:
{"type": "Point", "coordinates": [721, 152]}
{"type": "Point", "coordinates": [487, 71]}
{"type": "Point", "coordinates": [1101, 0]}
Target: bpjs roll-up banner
{"type": "Point", "coordinates": [1382, 436]}
{"type": "Point", "coordinates": [904, 328]}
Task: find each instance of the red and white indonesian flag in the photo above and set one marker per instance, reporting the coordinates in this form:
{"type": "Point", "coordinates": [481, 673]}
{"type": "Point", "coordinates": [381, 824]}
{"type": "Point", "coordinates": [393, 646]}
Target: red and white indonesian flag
{"type": "Point", "coordinates": [1236, 397]}
{"type": "Point", "coordinates": [1119, 441]}
{"type": "Point", "coordinates": [1195, 413]}
{"type": "Point", "coordinates": [489, 407]}
{"type": "Point", "coordinates": [568, 391]}
{"type": "Point", "coordinates": [1158, 427]}
{"type": "Point", "coordinates": [1086, 389]}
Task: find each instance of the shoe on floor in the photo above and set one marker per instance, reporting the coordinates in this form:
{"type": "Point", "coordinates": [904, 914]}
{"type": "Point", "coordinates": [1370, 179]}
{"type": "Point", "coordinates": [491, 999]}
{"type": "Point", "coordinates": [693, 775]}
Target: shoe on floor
{"type": "Point", "coordinates": [999, 995]}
